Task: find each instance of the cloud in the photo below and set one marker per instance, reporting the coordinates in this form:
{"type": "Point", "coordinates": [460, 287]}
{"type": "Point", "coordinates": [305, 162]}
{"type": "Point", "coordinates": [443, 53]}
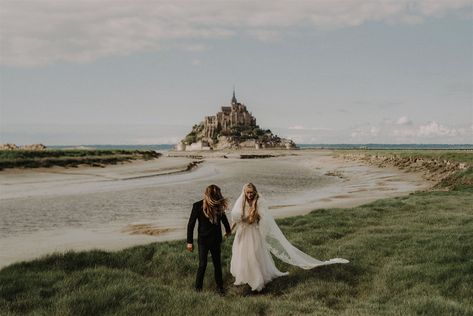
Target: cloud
{"type": "Point", "coordinates": [297, 127]}
{"type": "Point", "coordinates": [300, 127]}
{"type": "Point", "coordinates": [196, 62]}
{"type": "Point", "coordinates": [404, 130]}
{"type": "Point", "coordinates": [403, 120]}
{"type": "Point", "coordinates": [400, 130]}
{"type": "Point", "coordinates": [433, 129]}
{"type": "Point", "coordinates": [367, 132]}
{"type": "Point", "coordinates": [43, 32]}
{"type": "Point", "coordinates": [266, 35]}
{"type": "Point", "coordinates": [195, 47]}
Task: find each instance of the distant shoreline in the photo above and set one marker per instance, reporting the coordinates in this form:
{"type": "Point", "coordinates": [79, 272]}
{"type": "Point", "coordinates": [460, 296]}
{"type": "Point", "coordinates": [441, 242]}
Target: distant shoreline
{"type": "Point", "coordinates": [46, 158]}
{"type": "Point", "coordinates": [165, 147]}
{"type": "Point", "coordinates": [106, 155]}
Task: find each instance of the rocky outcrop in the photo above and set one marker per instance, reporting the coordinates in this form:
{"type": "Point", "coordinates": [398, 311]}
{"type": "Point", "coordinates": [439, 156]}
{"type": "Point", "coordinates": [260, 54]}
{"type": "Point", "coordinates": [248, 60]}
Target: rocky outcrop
{"type": "Point", "coordinates": [231, 128]}
{"type": "Point", "coordinates": [8, 147]}
{"type": "Point", "coordinates": [34, 147]}
{"type": "Point", "coordinates": [25, 147]}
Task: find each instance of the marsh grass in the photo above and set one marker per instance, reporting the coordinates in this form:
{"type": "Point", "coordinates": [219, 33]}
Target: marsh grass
{"type": "Point", "coordinates": [410, 255]}
{"type": "Point", "coordinates": [436, 161]}
{"type": "Point", "coordinates": [458, 180]}
{"type": "Point", "coordinates": [454, 155]}
{"type": "Point", "coordinates": [69, 157]}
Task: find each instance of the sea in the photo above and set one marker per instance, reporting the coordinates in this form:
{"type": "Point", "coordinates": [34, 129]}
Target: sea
{"type": "Point", "coordinates": [167, 147]}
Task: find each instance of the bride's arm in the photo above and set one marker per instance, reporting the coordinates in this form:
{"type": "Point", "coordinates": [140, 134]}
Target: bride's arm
{"type": "Point", "coordinates": [235, 214]}
{"type": "Point", "coordinates": [228, 230]}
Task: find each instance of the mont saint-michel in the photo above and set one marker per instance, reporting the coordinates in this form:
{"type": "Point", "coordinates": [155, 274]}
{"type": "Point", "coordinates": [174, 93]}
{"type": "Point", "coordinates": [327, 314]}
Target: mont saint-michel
{"type": "Point", "coordinates": [232, 128]}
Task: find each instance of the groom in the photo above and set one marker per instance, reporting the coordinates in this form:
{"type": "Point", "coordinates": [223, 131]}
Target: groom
{"type": "Point", "coordinates": [210, 212]}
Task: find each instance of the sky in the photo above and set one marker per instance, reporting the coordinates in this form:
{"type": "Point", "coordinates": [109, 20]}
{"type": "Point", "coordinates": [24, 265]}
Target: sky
{"type": "Point", "coordinates": [143, 72]}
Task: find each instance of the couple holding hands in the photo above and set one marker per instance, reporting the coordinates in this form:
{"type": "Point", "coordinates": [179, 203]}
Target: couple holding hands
{"type": "Point", "coordinates": [257, 236]}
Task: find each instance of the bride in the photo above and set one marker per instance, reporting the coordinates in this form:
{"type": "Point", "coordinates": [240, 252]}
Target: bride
{"type": "Point", "coordinates": [257, 234]}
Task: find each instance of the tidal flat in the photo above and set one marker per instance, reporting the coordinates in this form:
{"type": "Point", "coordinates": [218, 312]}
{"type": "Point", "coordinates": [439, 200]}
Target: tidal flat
{"type": "Point", "coordinates": [58, 209]}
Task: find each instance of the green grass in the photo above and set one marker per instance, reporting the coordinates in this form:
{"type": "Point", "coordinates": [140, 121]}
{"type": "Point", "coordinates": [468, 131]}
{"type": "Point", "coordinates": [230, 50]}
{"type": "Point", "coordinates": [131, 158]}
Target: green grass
{"type": "Point", "coordinates": [69, 158]}
{"type": "Point", "coordinates": [410, 255]}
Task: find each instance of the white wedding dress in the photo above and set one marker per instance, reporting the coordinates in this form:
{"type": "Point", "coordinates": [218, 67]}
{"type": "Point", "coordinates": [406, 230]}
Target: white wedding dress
{"type": "Point", "coordinates": [251, 261]}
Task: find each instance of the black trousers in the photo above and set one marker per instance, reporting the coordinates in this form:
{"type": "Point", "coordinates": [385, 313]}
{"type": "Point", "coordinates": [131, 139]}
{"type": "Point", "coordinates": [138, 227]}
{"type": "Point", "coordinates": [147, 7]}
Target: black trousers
{"type": "Point", "coordinates": [204, 248]}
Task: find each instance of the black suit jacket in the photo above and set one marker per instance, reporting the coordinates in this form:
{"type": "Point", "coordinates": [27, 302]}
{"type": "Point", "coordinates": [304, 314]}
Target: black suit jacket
{"type": "Point", "coordinates": [206, 230]}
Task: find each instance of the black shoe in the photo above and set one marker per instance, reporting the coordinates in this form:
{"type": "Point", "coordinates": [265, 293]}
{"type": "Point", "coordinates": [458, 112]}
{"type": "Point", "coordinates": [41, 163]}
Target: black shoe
{"type": "Point", "coordinates": [221, 291]}
{"type": "Point", "coordinates": [198, 289]}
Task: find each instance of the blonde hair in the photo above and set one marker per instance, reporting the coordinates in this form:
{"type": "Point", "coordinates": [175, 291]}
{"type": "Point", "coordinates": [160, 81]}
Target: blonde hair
{"type": "Point", "coordinates": [214, 203]}
{"type": "Point", "coordinates": [253, 214]}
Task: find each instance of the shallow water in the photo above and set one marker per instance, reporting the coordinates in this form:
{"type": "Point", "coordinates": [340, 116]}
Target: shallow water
{"type": "Point", "coordinates": [163, 200]}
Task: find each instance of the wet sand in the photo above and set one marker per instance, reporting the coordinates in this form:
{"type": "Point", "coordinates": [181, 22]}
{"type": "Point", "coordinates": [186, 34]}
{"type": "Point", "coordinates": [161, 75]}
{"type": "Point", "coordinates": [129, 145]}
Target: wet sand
{"type": "Point", "coordinates": [57, 209]}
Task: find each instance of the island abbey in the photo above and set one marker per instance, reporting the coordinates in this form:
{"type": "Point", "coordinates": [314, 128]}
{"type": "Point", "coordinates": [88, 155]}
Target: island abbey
{"type": "Point", "coordinates": [231, 116]}
{"type": "Point", "coordinates": [233, 127]}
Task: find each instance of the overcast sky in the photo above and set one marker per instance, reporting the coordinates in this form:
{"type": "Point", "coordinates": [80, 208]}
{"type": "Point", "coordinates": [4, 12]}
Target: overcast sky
{"type": "Point", "coordinates": [143, 72]}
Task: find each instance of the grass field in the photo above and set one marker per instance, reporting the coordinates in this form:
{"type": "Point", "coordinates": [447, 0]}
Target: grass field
{"type": "Point", "coordinates": [69, 158]}
{"type": "Point", "coordinates": [410, 255]}
{"type": "Point", "coordinates": [454, 155]}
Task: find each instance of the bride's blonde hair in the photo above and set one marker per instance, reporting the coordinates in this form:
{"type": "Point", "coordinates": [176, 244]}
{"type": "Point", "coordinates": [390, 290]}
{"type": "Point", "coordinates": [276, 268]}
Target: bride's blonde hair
{"type": "Point", "coordinates": [214, 203]}
{"type": "Point", "coordinates": [253, 214]}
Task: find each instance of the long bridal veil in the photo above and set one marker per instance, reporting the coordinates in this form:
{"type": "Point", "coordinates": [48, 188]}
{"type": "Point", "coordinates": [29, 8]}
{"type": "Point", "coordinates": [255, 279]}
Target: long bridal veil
{"type": "Point", "coordinates": [276, 241]}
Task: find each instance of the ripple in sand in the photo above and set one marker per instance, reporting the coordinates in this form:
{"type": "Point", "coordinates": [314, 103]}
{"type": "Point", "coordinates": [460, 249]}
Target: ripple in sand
{"type": "Point", "coordinates": [272, 207]}
{"type": "Point", "coordinates": [341, 196]}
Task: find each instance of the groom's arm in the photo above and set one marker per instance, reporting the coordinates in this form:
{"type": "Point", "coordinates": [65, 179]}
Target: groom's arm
{"type": "Point", "coordinates": [228, 230]}
{"type": "Point", "coordinates": [191, 225]}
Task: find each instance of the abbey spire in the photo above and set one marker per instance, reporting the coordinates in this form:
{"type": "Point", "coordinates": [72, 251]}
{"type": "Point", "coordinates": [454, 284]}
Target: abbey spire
{"type": "Point", "coordinates": [234, 100]}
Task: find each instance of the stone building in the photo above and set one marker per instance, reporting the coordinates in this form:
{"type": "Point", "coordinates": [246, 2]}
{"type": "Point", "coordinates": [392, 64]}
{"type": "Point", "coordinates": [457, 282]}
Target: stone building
{"type": "Point", "coordinates": [231, 128]}
{"type": "Point", "coordinates": [234, 115]}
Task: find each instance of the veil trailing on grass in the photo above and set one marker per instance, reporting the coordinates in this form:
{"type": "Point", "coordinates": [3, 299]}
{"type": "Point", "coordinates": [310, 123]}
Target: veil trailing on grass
{"type": "Point", "coordinates": [276, 241]}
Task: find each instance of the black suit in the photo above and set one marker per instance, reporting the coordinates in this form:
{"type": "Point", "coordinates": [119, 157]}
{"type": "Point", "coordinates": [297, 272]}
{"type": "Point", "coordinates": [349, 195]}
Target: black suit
{"type": "Point", "coordinates": [209, 238]}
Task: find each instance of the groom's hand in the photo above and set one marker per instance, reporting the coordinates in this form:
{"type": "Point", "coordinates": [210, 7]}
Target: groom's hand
{"type": "Point", "coordinates": [190, 247]}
